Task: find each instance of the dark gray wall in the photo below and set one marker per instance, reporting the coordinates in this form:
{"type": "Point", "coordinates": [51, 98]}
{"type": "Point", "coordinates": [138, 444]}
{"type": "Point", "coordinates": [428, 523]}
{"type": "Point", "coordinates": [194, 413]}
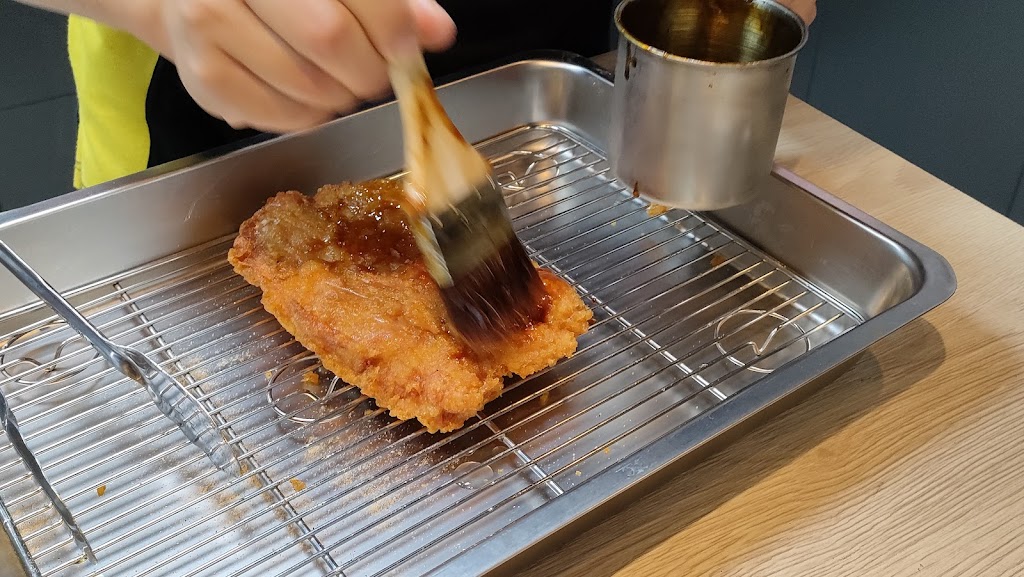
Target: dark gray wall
{"type": "Point", "coordinates": [38, 111]}
{"type": "Point", "coordinates": [940, 83]}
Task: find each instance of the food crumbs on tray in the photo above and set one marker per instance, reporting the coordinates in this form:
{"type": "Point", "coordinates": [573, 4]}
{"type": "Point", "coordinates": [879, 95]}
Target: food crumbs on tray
{"type": "Point", "coordinates": [578, 473]}
{"type": "Point", "coordinates": [297, 484]}
{"type": "Point", "coordinates": [656, 210]}
{"type": "Point", "coordinates": [607, 450]}
{"type": "Point", "coordinates": [101, 490]}
{"type": "Point", "coordinates": [311, 382]}
{"type": "Point", "coordinates": [269, 375]}
{"type": "Point", "coordinates": [544, 398]}
{"type": "Point", "coordinates": [717, 259]}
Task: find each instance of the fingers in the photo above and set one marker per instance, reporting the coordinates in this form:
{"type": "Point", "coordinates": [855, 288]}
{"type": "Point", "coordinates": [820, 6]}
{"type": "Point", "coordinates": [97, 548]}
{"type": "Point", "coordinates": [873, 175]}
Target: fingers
{"type": "Point", "coordinates": [806, 9]}
{"type": "Point", "coordinates": [348, 39]}
{"type": "Point", "coordinates": [398, 27]}
{"type": "Point", "coordinates": [389, 24]}
{"type": "Point", "coordinates": [231, 92]}
{"type": "Point", "coordinates": [270, 59]}
{"type": "Point", "coordinates": [327, 33]}
{"type": "Point", "coordinates": [435, 28]}
{"type": "Point", "coordinates": [283, 66]}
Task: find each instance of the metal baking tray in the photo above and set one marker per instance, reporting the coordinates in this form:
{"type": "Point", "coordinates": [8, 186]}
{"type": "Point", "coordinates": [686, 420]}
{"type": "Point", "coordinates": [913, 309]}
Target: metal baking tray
{"type": "Point", "coordinates": [705, 325]}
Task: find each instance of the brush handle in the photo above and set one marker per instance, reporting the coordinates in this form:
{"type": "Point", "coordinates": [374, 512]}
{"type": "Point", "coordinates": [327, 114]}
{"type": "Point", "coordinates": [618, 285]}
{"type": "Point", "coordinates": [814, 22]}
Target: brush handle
{"type": "Point", "coordinates": [442, 167]}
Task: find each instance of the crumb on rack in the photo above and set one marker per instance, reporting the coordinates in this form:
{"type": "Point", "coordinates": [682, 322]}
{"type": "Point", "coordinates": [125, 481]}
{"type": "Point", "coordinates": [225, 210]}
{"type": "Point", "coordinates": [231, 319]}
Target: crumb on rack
{"type": "Point", "coordinates": [101, 490]}
{"type": "Point", "coordinates": [578, 473]}
{"type": "Point", "coordinates": [544, 398]}
{"type": "Point", "coordinates": [717, 259]}
{"type": "Point", "coordinates": [656, 209]}
{"type": "Point", "coordinates": [311, 382]}
{"type": "Point", "coordinates": [297, 484]}
{"type": "Point", "coordinates": [607, 450]}
{"type": "Point", "coordinates": [269, 375]}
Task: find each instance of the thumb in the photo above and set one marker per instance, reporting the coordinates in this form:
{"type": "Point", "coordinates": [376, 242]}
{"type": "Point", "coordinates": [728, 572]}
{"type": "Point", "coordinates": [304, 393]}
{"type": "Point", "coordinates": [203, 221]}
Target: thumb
{"type": "Point", "coordinates": [434, 27]}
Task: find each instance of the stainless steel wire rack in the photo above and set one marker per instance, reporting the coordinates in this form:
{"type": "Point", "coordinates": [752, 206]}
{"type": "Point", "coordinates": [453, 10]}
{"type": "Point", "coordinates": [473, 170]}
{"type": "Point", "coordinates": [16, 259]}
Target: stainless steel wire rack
{"type": "Point", "coordinates": [686, 316]}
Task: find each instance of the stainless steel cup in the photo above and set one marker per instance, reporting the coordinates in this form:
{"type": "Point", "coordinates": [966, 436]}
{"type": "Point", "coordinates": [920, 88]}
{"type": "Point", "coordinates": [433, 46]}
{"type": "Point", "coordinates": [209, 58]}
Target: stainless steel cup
{"type": "Point", "coordinates": [700, 90]}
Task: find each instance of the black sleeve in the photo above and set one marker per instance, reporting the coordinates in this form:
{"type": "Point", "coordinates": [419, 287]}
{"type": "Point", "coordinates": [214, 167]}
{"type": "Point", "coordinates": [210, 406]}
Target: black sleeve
{"type": "Point", "coordinates": [492, 30]}
{"type": "Point", "coordinates": [178, 127]}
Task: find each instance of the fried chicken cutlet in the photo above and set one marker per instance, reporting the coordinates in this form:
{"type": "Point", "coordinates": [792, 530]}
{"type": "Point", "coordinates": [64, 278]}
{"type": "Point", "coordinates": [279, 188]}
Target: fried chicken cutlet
{"type": "Point", "coordinates": [341, 272]}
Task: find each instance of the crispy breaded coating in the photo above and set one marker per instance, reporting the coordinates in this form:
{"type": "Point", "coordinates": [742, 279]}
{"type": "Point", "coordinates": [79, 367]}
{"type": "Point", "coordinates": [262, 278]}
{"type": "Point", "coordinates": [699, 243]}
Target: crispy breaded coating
{"type": "Point", "coordinates": [341, 272]}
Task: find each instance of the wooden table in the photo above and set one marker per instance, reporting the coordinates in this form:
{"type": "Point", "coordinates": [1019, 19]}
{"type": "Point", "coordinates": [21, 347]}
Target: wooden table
{"type": "Point", "coordinates": [910, 464]}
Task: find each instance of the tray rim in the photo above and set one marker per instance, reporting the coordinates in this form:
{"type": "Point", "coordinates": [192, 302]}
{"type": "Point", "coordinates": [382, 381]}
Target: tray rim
{"type": "Point", "coordinates": [529, 537]}
{"type": "Point", "coordinates": [77, 196]}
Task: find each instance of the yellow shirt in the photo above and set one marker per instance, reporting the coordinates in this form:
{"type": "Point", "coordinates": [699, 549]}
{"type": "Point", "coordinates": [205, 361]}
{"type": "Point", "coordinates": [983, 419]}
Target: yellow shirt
{"type": "Point", "coordinates": [112, 71]}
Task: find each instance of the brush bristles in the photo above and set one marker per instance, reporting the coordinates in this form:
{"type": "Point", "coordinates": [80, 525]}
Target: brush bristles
{"type": "Point", "coordinates": [459, 219]}
{"type": "Point", "coordinates": [502, 294]}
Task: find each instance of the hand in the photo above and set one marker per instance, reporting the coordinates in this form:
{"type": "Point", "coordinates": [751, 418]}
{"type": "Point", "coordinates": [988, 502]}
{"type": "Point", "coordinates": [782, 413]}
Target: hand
{"type": "Point", "coordinates": [806, 9]}
{"type": "Point", "coordinates": [286, 65]}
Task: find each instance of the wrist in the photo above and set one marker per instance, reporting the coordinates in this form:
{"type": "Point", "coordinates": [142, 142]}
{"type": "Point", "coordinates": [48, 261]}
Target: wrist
{"type": "Point", "coordinates": [143, 19]}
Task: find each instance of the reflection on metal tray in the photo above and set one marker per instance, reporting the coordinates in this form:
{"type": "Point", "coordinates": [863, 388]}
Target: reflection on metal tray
{"type": "Point", "coordinates": [701, 323]}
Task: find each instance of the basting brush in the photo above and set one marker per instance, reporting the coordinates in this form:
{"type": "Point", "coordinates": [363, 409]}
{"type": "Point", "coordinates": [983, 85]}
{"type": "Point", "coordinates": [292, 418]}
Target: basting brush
{"type": "Point", "coordinates": [459, 219]}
